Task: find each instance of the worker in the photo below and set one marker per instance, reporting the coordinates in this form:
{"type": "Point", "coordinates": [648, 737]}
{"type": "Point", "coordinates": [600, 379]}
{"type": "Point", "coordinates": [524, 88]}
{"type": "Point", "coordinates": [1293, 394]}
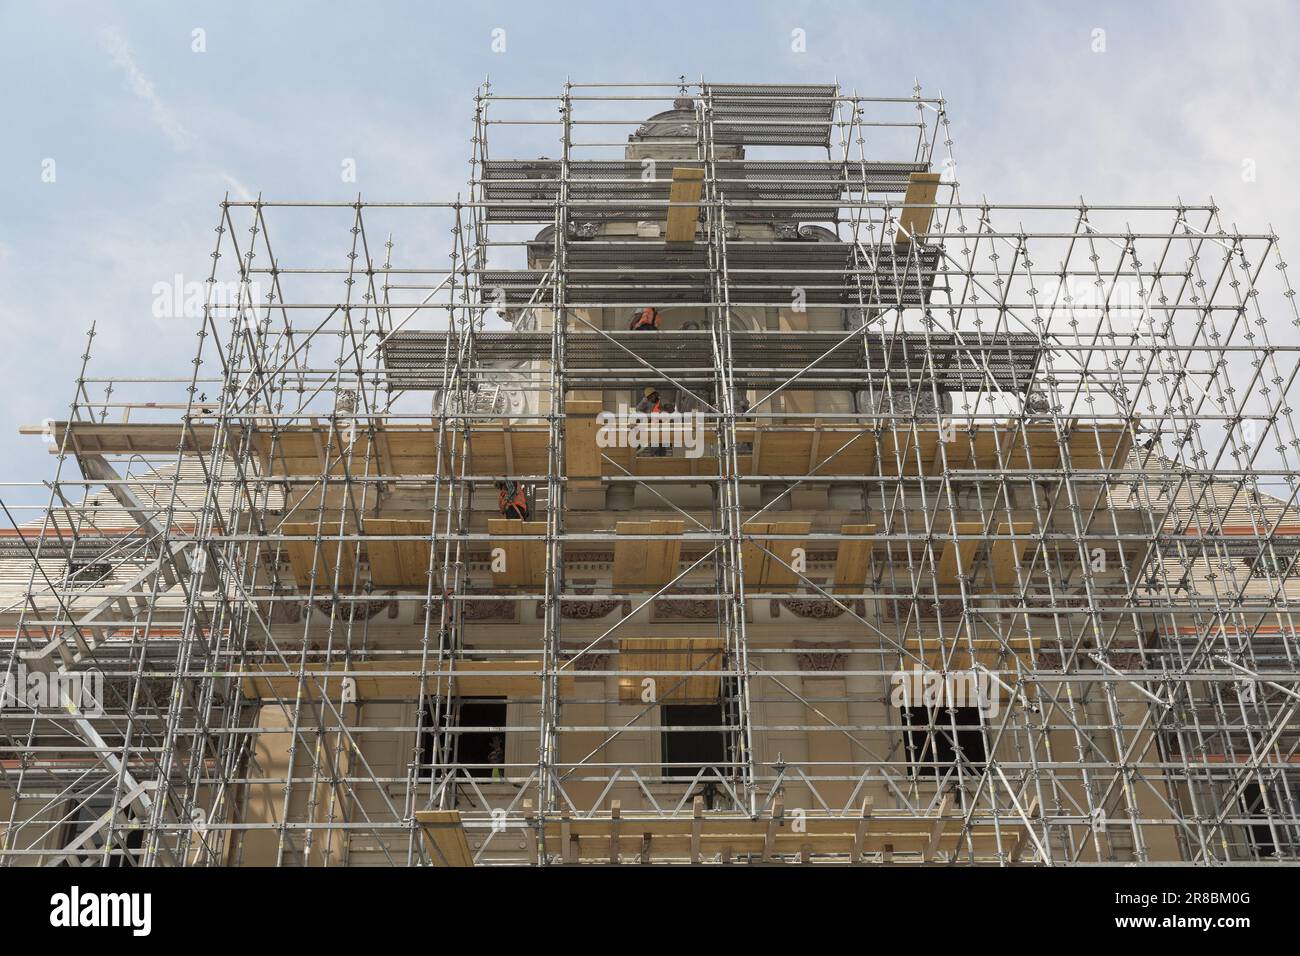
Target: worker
{"type": "Point", "coordinates": [497, 756]}
{"type": "Point", "coordinates": [512, 500]}
{"type": "Point", "coordinates": [649, 405]}
{"type": "Point", "coordinates": [647, 320]}
{"type": "Point", "coordinates": [665, 432]}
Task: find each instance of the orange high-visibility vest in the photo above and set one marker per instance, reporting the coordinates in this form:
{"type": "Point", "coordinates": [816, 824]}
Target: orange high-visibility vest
{"type": "Point", "coordinates": [648, 319]}
{"type": "Point", "coordinates": [518, 500]}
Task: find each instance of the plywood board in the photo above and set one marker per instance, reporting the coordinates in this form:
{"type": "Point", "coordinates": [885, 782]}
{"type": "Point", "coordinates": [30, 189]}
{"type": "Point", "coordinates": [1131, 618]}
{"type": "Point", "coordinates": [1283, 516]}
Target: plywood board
{"type": "Point", "coordinates": [641, 563]}
{"type": "Point", "coordinates": [687, 185]}
{"type": "Point", "coordinates": [1004, 554]}
{"type": "Point", "coordinates": [761, 568]}
{"type": "Point", "coordinates": [582, 462]}
{"type": "Point", "coordinates": [444, 838]}
{"type": "Point", "coordinates": [649, 657]}
{"type": "Point", "coordinates": [705, 466]}
{"type": "Point", "coordinates": [399, 564]}
{"type": "Point", "coordinates": [525, 560]}
{"type": "Point", "coordinates": [711, 834]}
{"type": "Point", "coordinates": [1099, 446]}
{"type": "Point", "coordinates": [798, 451]}
{"type": "Point", "coordinates": [914, 218]}
{"type": "Point", "coordinates": [129, 438]}
{"type": "Point", "coordinates": [323, 555]}
{"type": "Point", "coordinates": [958, 557]}
{"type": "Point", "coordinates": [852, 559]}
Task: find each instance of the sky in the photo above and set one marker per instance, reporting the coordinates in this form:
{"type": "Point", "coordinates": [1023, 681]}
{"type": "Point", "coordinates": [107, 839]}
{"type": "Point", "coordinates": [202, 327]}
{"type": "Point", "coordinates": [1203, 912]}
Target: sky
{"type": "Point", "coordinates": [127, 123]}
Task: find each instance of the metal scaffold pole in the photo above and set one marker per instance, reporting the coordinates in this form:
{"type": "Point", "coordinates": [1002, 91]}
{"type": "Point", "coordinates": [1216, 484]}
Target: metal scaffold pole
{"type": "Point", "coordinates": [715, 480]}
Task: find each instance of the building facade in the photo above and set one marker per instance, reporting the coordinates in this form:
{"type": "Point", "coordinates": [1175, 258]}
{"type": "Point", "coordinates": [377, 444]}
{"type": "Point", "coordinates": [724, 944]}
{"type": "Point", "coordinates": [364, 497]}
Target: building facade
{"type": "Point", "coordinates": [913, 530]}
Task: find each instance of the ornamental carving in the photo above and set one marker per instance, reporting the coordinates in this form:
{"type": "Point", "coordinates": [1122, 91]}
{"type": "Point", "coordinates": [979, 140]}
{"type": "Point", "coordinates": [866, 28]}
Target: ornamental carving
{"type": "Point", "coordinates": [927, 609]}
{"type": "Point", "coordinates": [475, 610]}
{"type": "Point", "coordinates": [817, 657]}
{"type": "Point", "coordinates": [676, 609]}
{"type": "Point", "coordinates": [585, 610]}
{"type": "Point", "coordinates": [587, 659]}
{"type": "Point", "coordinates": [818, 609]}
{"type": "Point", "coordinates": [352, 610]}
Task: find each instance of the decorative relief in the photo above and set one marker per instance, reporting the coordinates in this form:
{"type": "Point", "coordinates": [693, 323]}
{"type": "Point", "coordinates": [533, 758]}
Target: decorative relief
{"type": "Point", "coordinates": [821, 660]}
{"type": "Point", "coordinates": [817, 608]}
{"type": "Point", "coordinates": [700, 609]}
{"type": "Point", "coordinates": [927, 609]}
{"type": "Point", "coordinates": [585, 610]}
{"type": "Point", "coordinates": [586, 659]}
{"type": "Point", "coordinates": [478, 610]}
{"type": "Point", "coordinates": [352, 610]}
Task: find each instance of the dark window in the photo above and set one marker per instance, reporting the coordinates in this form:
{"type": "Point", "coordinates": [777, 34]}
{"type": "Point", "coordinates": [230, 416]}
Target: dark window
{"type": "Point", "coordinates": [484, 749]}
{"type": "Point", "coordinates": [86, 816]}
{"type": "Point", "coordinates": [1252, 802]}
{"type": "Point", "coordinates": [930, 753]}
{"type": "Point", "coordinates": [692, 748]}
{"type": "Point", "coordinates": [83, 572]}
{"type": "Point", "coordinates": [430, 739]}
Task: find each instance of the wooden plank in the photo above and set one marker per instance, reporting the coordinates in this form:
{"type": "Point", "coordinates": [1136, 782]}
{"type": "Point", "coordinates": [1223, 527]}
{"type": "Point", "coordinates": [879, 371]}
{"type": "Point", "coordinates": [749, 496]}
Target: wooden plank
{"type": "Point", "coordinates": [1004, 554]}
{"type": "Point", "coordinates": [1114, 442]}
{"type": "Point", "coordinates": [753, 559]}
{"type": "Point", "coordinates": [525, 560]}
{"type": "Point", "coordinates": [905, 453]}
{"type": "Point", "coordinates": [958, 557]}
{"type": "Point", "coordinates": [530, 832]}
{"type": "Point", "coordinates": [128, 438]}
{"type": "Point", "coordinates": [649, 657]}
{"type": "Point", "coordinates": [914, 218]}
{"type": "Point", "coordinates": [789, 450]}
{"type": "Point", "coordinates": [568, 842]}
{"type": "Point", "coordinates": [687, 185]}
{"type": "Point", "coordinates": [642, 563]}
{"type": "Point", "coordinates": [630, 556]}
{"type": "Point", "coordinates": [488, 679]}
{"type": "Point", "coordinates": [761, 568]}
{"type": "Point", "coordinates": [860, 831]}
{"type": "Point", "coordinates": [697, 825]}
{"type": "Point", "coordinates": [582, 461]}
{"type": "Point", "coordinates": [852, 559]}
{"type": "Point", "coordinates": [444, 837]}
{"type": "Point", "coordinates": [775, 820]}
{"type": "Point", "coordinates": [615, 815]}
{"type": "Point", "coordinates": [678, 837]}
{"type": "Point", "coordinates": [303, 557]}
{"type": "Point", "coordinates": [655, 467]}
{"type": "Point", "coordinates": [936, 828]}
{"type": "Point", "coordinates": [397, 564]}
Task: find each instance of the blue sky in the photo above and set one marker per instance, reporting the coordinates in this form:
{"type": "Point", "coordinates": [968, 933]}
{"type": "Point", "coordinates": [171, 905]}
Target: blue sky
{"type": "Point", "coordinates": [148, 135]}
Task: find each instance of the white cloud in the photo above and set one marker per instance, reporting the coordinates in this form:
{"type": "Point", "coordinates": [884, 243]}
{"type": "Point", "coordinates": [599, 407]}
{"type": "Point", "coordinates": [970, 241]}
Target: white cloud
{"type": "Point", "coordinates": [241, 191]}
{"type": "Point", "coordinates": [162, 115]}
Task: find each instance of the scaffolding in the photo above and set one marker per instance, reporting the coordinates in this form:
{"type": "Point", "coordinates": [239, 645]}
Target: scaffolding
{"type": "Point", "coordinates": [970, 537]}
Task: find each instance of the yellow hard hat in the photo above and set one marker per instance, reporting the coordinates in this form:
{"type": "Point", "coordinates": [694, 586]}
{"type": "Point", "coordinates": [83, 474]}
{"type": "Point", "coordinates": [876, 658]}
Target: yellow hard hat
{"type": "Point", "coordinates": [649, 392]}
